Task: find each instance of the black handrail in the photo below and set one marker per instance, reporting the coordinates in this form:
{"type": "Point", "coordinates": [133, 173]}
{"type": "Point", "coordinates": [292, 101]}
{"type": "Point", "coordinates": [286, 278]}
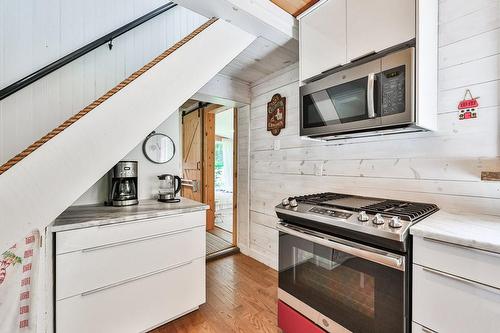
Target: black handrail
{"type": "Point", "coordinates": [35, 76]}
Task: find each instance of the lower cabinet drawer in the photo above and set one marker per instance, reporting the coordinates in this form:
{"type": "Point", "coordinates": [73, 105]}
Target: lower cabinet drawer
{"type": "Point", "coordinates": [76, 240]}
{"type": "Point", "coordinates": [88, 269]}
{"type": "Point", "coordinates": [137, 305]}
{"type": "Point", "coordinates": [447, 303]}
{"type": "Point", "coordinates": [477, 265]}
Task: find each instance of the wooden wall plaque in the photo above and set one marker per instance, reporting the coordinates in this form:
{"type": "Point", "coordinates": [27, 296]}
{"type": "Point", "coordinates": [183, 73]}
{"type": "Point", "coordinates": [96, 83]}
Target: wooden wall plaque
{"type": "Point", "coordinates": [276, 114]}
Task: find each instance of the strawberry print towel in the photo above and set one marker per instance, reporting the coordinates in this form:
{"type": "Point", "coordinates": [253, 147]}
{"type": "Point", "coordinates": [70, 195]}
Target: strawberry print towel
{"type": "Point", "coordinates": [17, 276]}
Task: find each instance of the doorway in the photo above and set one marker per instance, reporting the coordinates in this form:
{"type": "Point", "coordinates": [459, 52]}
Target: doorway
{"type": "Point", "coordinates": [224, 174]}
{"type": "Point", "coordinates": [209, 172]}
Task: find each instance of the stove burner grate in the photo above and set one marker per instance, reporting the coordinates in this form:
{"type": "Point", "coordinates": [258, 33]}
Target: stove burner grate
{"type": "Point", "coordinates": [318, 198]}
{"type": "Point", "coordinates": [410, 211]}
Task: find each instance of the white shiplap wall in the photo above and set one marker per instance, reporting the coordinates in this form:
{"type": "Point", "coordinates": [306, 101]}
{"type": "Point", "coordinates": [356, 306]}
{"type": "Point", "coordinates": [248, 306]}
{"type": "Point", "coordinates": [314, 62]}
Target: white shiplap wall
{"type": "Point", "coordinates": [441, 167]}
{"type": "Point", "coordinates": [34, 33]}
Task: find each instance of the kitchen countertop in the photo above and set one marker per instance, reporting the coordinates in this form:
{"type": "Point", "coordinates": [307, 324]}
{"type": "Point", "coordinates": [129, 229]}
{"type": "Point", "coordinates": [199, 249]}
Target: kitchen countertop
{"type": "Point", "coordinates": [77, 217]}
{"type": "Point", "coordinates": [471, 230]}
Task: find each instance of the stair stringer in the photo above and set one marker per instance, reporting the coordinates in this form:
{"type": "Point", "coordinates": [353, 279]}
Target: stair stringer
{"type": "Point", "coordinates": [42, 185]}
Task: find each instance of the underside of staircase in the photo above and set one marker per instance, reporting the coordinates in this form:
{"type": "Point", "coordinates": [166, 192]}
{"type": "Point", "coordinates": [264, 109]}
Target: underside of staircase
{"type": "Point", "coordinates": [48, 176]}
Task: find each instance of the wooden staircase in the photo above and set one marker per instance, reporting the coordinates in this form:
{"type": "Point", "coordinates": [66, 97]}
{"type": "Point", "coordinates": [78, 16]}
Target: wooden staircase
{"type": "Point", "coordinates": [48, 176]}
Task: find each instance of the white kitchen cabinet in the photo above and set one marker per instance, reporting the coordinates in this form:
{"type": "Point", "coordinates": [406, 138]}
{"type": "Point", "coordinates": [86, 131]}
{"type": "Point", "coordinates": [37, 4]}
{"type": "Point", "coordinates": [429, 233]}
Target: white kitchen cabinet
{"type": "Point", "coordinates": [137, 305]}
{"type": "Point", "coordinates": [375, 25]}
{"type": "Point", "coordinates": [447, 303]}
{"type": "Point", "coordinates": [455, 288]}
{"type": "Point", "coordinates": [323, 38]}
{"type": "Point", "coordinates": [130, 276]}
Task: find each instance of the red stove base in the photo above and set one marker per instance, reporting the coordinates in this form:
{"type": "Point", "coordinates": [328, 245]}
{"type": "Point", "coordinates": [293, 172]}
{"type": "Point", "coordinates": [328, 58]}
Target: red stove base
{"type": "Point", "coordinates": [290, 321]}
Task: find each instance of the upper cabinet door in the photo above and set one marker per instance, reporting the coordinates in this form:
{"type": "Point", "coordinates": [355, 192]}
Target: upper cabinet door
{"type": "Point", "coordinates": [374, 25]}
{"type": "Point", "coordinates": [323, 38]}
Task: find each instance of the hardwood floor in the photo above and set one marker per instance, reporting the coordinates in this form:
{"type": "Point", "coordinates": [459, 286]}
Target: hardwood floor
{"type": "Point", "coordinates": [241, 297]}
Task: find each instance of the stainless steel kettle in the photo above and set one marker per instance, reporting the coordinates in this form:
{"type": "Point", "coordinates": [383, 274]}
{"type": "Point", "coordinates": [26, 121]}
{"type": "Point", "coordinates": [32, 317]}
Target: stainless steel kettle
{"type": "Point", "coordinates": [170, 185]}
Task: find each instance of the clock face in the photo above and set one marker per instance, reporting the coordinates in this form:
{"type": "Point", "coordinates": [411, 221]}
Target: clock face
{"type": "Point", "coordinates": [159, 148]}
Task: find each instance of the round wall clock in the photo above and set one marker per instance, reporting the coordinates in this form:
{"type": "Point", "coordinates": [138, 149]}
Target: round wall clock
{"type": "Point", "coordinates": [158, 148]}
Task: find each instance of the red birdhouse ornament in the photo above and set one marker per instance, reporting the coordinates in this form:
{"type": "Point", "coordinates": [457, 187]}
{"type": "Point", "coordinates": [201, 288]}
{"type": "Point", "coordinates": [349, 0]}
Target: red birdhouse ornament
{"type": "Point", "coordinates": [467, 107]}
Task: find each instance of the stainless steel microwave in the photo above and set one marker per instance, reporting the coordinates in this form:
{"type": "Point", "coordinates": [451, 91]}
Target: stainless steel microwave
{"type": "Point", "coordinates": [376, 97]}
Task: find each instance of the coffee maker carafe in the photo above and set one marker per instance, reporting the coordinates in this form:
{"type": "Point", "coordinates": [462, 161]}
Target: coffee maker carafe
{"type": "Point", "coordinates": [169, 186]}
{"type": "Point", "coordinates": [123, 189]}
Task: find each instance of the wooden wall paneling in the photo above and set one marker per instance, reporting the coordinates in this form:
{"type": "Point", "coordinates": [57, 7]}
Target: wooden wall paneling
{"type": "Point", "coordinates": [443, 167]}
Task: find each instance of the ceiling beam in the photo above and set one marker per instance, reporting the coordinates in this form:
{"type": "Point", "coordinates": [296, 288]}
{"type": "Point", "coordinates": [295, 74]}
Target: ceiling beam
{"type": "Point", "coordinates": [258, 17]}
{"type": "Point", "coordinates": [225, 91]}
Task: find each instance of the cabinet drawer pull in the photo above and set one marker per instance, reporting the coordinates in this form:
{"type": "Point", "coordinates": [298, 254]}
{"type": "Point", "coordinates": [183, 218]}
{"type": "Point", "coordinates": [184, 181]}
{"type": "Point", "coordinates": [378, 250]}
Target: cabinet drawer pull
{"type": "Point", "coordinates": [472, 283]}
{"type": "Point", "coordinates": [136, 240]}
{"type": "Point", "coordinates": [113, 285]}
{"type": "Point", "coordinates": [474, 249]}
{"type": "Point", "coordinates": [149, 219]}
{"type": "Point", "coordinates": [426, 330]}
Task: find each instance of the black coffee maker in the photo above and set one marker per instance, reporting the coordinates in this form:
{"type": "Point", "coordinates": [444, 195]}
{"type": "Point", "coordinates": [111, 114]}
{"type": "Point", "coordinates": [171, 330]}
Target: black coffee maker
{"type": "Point", "coordinates": [123, 184]}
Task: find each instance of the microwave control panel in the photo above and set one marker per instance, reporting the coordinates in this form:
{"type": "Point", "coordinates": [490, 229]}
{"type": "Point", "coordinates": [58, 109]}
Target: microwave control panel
{"type": "Point", "coordinates": [392, 86]}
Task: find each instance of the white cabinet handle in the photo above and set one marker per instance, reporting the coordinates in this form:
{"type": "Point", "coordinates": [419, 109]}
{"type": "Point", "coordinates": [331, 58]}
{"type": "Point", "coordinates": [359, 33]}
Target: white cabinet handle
{"type": "Point", "coordinates": [113, 285]}
{"type": "Point", "coordinates": [472, 283]}
{"type": "Point", "coordinates": [165, 234]}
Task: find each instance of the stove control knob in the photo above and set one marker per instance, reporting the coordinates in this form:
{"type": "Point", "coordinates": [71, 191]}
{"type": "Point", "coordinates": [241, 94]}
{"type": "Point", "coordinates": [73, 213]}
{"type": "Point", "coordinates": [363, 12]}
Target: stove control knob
{"type": "Point", "coordinates": [293, 203]}
{"type": "Point", "coordinates": [363, 217]}
{"type": "Point", "coordinates": [395, 222]}
{"type": "Point", "coordinates": [285, 202]}
{"type": "Point", "coordinates": [378, 219]}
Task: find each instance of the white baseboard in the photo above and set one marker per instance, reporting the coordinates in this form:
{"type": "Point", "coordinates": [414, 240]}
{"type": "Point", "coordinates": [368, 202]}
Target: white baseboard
{"type": "Point", "coordinates": [266, 260]}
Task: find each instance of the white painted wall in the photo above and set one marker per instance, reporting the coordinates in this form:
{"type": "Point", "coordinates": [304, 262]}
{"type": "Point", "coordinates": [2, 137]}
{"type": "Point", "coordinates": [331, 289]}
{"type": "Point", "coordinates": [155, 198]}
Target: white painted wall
{"type": "Point", "coordinates": [148, 171]}
{"type": "Point", "coordinates": [441, 167]}
{"type": "Point", "coordinates": [34, 33]}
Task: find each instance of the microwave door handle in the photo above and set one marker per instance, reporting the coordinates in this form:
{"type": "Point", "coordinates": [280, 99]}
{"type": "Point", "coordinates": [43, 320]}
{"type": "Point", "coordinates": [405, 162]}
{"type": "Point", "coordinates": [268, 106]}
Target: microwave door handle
{"type": "Point", "coordinates": [370, 98]}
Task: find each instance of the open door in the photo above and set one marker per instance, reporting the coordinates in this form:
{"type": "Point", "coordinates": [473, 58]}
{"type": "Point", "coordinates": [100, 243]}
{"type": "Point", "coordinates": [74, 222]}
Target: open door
{"type": "Point", "coordinates": [198, 142]}
{"type": "Point", "coordinates": [192, 154]}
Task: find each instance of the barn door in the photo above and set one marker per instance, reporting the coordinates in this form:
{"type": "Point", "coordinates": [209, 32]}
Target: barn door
{"type": "Point", "coordinates": [192, 154]}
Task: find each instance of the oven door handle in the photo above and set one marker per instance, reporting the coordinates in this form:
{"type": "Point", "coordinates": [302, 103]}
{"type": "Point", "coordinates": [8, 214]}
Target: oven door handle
{"type": "Point", "coordinates": [374, 255]}
{"type": "Point", "coordinates": [370, 95]}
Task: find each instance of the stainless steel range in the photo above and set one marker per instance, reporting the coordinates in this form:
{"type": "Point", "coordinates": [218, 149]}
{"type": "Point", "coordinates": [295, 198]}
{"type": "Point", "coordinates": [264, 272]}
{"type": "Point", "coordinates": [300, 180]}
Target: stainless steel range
{"type": "Point", "coordinates": [344, 262]}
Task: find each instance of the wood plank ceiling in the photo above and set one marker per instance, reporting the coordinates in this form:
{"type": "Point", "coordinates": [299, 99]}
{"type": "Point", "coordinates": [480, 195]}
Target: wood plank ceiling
{"type": "Point", "coordinates": [294, 7]}
{"type": "Point", "coordinates": [260, 59]}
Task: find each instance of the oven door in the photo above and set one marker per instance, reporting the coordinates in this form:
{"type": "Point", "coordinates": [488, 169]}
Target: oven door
{"type": "Point", "coordinates": [342, 102]}
{"type": "Point", "coordinates": [359, 288]}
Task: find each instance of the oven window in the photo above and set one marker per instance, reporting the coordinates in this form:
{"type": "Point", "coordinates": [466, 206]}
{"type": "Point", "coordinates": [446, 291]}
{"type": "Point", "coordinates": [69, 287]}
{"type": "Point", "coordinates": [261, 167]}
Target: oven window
{"type": "Point", "coordinates": [336, 105]}
{"type": "Point", "coordinates": [358, 294]}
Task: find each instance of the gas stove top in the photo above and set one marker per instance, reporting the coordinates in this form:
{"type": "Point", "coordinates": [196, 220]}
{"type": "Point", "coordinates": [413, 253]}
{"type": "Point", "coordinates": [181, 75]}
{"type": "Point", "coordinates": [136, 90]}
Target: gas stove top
{"type": "Point", "coordinates": [373, 217]}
